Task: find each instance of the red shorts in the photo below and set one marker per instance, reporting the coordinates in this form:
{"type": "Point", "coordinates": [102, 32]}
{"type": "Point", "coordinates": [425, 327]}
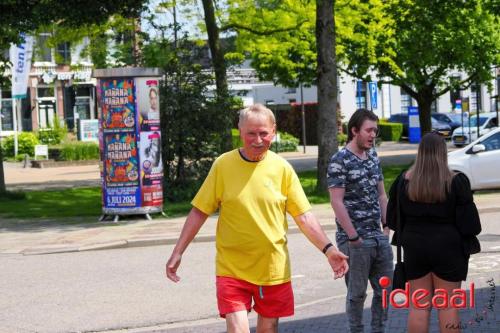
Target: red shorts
{"type": "Point", "coordinates": [269, 301]}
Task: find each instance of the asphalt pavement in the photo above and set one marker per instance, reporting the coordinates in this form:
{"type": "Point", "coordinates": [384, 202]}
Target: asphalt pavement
{"type": "Point", "coordinates": [35, 239]}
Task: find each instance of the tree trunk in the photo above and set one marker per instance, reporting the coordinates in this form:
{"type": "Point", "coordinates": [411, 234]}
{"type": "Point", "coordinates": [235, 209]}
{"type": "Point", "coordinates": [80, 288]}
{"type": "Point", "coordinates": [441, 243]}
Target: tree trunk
{"type": "Point", "coordinates": [3, 189]}
{"type": "Point", "coordinates": [424, 101]}
{"type": "Point", "coordinates": [219, 66]}
{"type": "Point", "coordinates": [136, 42]}
{"type": "Point", "coordinates": [327, 87]}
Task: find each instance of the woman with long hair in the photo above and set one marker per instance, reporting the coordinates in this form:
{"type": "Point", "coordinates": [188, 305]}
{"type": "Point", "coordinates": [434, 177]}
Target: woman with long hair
{"type": "Point", "coordinates": [436, 206]}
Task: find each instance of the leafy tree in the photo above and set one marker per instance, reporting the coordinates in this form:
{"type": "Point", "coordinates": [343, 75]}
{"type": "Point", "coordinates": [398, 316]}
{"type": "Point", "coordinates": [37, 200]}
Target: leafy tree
{"type": "Point", "coordinates": [219, 65]}
{"type": "Point", "coordinates": [28, 16]}
{"type": "Point", "coordinates": [292, 43]}
{"type": "Point", "coordinates": [191, 122]}
{"type": "Point", "coordinates": [278, 37]}
{"type": "Point", "coordinates": [418, 45]}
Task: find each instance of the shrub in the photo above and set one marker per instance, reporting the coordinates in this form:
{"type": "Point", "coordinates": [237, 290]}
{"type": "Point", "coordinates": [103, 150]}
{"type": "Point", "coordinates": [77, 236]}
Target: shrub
{"type": "Point", "coordinates": [79, 151]}
{"type": "Point", "coordinates": [26, 142]}
{"type": "Point", "coordinates": [290, 121]}
{"type": "Point", "coordinates": [287, 143]}
{"type": "Point", "coordinates": [53, 135]}
{"type": "Point", "coordinates": [195, 127]}
{"type": "Point", "coordinates": [341, 139]}
{"type": "Point", "coordinates": [390, 131]}
{"type": "Point", "coordinates": [235, 134]}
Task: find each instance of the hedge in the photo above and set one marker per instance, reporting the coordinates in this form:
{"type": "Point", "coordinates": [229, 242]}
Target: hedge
{"type": "Point", "coordinates": [287, 141]}
{"type": "Point", "coordinates": [26, 142]}
{"type": "Point", "coordinates": [79, 151]}
{"type": "Point", "coordinates": [390, 131]}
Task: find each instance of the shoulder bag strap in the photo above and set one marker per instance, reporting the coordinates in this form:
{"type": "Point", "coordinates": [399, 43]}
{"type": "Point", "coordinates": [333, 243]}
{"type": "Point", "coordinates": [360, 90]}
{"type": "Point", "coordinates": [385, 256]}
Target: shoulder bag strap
{"type": "Point", "coordinates": [399, 192]}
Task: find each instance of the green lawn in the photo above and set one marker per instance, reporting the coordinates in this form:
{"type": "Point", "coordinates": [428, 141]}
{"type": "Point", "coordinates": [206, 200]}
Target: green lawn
{"type": "Point", "coordinates": [71, 203]}
{"type": "Point", "coordinates": [84, 204]}
{"type": "Point", "coordinates": [308, 181]}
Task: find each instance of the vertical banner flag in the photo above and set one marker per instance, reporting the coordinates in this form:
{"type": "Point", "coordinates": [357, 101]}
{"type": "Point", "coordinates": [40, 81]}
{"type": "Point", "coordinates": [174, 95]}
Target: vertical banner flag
{"type": "Point", "coordinates": [20, 56]}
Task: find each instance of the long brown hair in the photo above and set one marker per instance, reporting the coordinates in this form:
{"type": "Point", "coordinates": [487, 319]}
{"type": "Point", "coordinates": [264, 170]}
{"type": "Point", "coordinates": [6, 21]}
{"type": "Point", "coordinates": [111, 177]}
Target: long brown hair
{"type": "Point", "coordinates": [430, 177]}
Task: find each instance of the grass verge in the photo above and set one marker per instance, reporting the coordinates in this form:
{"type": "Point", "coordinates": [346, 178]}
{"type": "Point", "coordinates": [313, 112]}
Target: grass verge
{"type": "Point", "coordinates": [308, 181]}
{"type": "Point", "coordinates": [63, 205]}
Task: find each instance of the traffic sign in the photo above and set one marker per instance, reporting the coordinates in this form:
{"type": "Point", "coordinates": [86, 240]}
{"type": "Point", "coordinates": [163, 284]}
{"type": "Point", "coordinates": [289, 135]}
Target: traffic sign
{"type": "Point", "coordinates": [373, 94]}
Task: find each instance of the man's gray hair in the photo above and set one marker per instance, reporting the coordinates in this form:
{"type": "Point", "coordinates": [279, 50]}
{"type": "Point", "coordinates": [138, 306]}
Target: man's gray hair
{"type": "Point", "coordinates": [256, 109]}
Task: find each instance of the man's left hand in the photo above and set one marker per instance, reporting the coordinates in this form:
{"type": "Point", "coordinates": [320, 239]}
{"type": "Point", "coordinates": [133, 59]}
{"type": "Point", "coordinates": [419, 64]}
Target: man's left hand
{"type": "Point", "coordinates": [338, 262]}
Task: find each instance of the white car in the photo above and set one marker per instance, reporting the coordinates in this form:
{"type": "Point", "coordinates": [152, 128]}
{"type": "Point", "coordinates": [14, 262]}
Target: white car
{"type": "Point", "coordinates": [464, 135]}
{"type": "Point", "coordinates": [479, 161]}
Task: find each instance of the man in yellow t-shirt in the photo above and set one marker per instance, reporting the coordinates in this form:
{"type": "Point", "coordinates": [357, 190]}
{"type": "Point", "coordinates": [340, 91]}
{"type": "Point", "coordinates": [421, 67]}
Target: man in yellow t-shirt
{"type": "Point", "coordinates": [253, 189]}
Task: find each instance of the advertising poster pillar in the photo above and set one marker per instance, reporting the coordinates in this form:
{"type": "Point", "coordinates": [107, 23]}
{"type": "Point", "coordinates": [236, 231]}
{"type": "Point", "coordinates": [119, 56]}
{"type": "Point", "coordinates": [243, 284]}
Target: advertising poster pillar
{"type": "Point", "coordinates": [130, 141]}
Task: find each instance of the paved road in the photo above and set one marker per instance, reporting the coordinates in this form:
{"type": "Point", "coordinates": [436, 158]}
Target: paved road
{"type": "Point", "coordinates": [126, 290]}
{"type": "Point", "coordinates": [18, 178]}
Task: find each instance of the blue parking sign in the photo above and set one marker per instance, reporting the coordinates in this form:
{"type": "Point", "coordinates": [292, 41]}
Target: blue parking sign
{"type": "Point", "coordinates": [373, 94]}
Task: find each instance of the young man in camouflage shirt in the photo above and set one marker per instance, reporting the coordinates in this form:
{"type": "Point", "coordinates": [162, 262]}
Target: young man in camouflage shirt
{"type": "Point", "coordinates": [359, 201]}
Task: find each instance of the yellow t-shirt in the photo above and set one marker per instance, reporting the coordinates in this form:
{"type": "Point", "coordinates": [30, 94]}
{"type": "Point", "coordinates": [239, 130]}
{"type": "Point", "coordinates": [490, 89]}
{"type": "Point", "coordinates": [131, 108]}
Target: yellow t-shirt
{"type": "Point", "coordinates": [252, 198]}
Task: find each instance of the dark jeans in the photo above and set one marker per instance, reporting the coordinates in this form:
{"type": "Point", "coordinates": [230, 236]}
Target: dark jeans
{"type": "Point", "coordinates": [367, 262]}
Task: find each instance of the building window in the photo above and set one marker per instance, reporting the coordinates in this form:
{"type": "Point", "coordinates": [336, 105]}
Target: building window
{"type": "Point", "coordinates": [63, 53]}
{"type": "Point", "coordinates": [475, 97]}
{"type": "Point", "coordinates": [406, 101]}
{"type": "Point", "coordinates": [83, 91]}
{"type": "Point", "coordinates": [7, 119]}
{"type": "Point", "coordinates": [360, 94]}
{"type": "Point", "coordinates": [43, 52]}
{"type": "Point", "coordinates": [45, 92]}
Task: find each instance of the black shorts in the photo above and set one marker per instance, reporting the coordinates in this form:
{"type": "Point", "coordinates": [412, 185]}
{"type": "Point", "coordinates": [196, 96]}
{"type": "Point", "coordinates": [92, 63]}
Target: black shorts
{"type": "Point", "coordinates": [434, 248]}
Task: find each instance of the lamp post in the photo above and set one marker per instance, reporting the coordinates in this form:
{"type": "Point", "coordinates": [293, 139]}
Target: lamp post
{"type": "Point", "coordinates": [303, 113]}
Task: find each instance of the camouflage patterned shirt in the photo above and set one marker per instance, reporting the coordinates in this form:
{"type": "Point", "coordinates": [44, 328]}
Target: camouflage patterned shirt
{"type": "Point", "coordinates": [360, 179]}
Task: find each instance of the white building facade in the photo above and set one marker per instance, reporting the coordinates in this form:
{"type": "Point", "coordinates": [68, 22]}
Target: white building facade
{"type": "Point", "coordinates": [354, 94]}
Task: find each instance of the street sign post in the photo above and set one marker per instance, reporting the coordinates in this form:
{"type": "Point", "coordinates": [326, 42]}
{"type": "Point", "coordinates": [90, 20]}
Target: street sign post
{"type": "Point", "coordinates": [373, 95]}
{"type": "Point", "coordinates": [413, 125]}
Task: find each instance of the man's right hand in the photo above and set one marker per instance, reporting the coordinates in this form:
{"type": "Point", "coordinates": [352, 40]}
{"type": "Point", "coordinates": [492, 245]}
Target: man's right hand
{"type": "Point", "coordinates": [172, 265]}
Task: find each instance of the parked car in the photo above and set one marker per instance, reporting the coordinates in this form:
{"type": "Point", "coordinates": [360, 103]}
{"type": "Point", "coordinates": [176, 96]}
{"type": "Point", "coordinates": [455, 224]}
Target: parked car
{"type": "Point", "coordinates": [438, 126]}
{"type": "Point", "coordinates": [479, 161]}
{"type": "Point", "coordinates": [452, 119]}
{"type": "Point", "coordinates": [487, 122]}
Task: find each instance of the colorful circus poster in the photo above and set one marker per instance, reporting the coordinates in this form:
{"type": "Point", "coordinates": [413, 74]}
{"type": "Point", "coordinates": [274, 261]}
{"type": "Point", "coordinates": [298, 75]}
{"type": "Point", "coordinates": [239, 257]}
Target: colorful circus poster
{"type": "Point", "coordinates": [118, 106]}
{"type": "Point", "coordinates": [120, 159]}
